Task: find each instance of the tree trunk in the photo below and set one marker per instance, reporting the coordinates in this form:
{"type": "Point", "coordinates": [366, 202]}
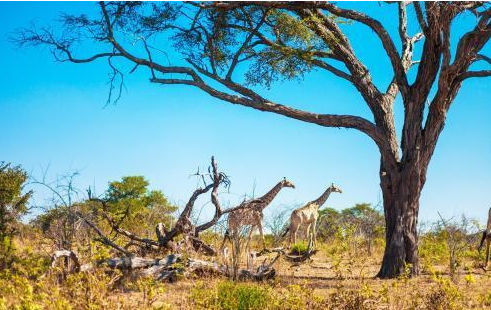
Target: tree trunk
{"type": "Point", "coordinates": [401, 192]}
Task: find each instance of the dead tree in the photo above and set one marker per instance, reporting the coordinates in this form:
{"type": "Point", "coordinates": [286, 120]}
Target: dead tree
{"type": "Point", "coordinates": [164, 237]}
{"type": "Point", "coordinates": [280, 39]}
{"type": "Point", "coordinates": [165, 269]}
{"type": "Point", "coordinates": [184, 226]}
{"type": "Point", "coordinates": [58, 221]}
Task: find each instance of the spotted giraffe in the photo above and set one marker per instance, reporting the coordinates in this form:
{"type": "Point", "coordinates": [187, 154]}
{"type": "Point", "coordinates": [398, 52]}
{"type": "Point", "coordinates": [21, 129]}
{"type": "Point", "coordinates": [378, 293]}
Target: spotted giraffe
{"type": "Point", "coordinates": [252, 214]}
{"type": "Point", "coordinates": [308, 215]}
{"type": "Point", "coordinates": [486, 236]}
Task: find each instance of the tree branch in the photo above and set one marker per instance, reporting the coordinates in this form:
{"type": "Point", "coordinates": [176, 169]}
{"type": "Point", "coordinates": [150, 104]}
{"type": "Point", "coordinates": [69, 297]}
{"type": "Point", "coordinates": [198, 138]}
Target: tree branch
{"type": "Point", "coordinates": [384, 37]}
{"type": "Point", "coordinates": [325, 120]}
{"type": "Point", "coordinates": [473, 74]}
{"type": "Point", "coordinates": [105, 239]}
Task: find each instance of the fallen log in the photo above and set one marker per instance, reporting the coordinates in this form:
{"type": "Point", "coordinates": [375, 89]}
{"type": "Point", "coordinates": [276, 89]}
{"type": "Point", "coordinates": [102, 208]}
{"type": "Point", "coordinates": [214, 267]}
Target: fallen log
{"type": "Point", "coordinates": [169, 268]}
{"type": "Point", "coordinates": [70, 256]}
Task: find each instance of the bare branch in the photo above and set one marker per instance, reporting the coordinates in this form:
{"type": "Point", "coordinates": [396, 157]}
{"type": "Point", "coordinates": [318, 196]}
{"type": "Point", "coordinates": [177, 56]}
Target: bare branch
{"type": "Point", "coordinates": [420, 16]}
{"type": "Point", "coordinates": [483, 58]}
{"type": "Point", "coordinates": [244, 45]}
{"type": "Point", "coordinates": [473, 74]}
{"type": "Point", "coordinates": [115, 226]}
{"type": "Point", "coordinates": [103, 237]}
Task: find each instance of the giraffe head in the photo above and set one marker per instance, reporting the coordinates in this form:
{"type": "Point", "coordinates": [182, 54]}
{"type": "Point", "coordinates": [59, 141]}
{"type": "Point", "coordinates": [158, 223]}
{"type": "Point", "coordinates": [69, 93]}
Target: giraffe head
{"type": "Point", "coordinates": [287, 183]}
{"type": "Point", "coordinates": [335, 189]}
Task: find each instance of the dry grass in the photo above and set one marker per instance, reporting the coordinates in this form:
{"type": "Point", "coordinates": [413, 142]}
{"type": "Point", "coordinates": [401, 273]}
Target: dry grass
{"type": "Point", "coordinates": [339, 277]}
{"type": "Point", "coordinates": [350, 284]}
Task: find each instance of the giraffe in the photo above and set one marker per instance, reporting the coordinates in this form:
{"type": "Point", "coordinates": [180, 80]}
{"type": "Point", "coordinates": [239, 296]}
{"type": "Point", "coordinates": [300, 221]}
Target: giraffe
{"type": "Point", "coordinates": [308, 215]}
{"type": "Point", "coordinates": [252, 213]}
{"type": "Point", "coordinates": [486, 236]}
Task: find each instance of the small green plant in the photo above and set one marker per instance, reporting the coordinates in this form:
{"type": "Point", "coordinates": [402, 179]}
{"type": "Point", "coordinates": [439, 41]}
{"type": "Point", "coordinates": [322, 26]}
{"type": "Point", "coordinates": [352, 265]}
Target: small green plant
{"type": "Point", "coordinates": [299, 248]}
{"type": "Point", "coordinates": [469, 277]}
{"type": "Point", "coordinates": [485, 300]}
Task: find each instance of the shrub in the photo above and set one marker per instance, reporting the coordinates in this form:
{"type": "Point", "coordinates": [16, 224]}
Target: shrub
{"type": "Point", "coordinates": [445, 295]}
{"type": "Point", "coordinates": [13, 205]}
{"type": "Point", "coordinates": [231, 295]}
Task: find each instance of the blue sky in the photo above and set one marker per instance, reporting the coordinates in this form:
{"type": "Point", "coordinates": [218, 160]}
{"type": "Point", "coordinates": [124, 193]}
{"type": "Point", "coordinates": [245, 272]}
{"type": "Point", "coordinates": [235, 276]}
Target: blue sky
{"type": "Point", "coordinates": [53, 114]}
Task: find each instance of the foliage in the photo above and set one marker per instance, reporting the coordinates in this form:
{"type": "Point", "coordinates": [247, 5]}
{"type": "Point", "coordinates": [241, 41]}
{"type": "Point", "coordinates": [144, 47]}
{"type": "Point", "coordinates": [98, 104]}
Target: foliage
{"type": "Point", "coordinates": [57, 224]}
{"type": "Point", "coordinates": [444, 296]}
{"type": "Point", "coordinates": [329, 222]}
{"type": "Point", "coordinates": [231, 295]}
{"type": "Point", "coordinates": [133, 205]}
{"type": "Point", "coordinates": [13, 205]}
{"type": "Point", "coordinates": [299, 248]}
{"type": "Point", "coordinates": [450, 241]}
{"type": "Point", "coordinates": [361, 221]}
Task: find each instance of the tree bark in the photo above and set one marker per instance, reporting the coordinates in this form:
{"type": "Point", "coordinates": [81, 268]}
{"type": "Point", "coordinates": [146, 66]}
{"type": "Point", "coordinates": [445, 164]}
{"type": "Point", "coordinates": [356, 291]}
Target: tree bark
{"type": "Point", "coordinates": [401, 192]}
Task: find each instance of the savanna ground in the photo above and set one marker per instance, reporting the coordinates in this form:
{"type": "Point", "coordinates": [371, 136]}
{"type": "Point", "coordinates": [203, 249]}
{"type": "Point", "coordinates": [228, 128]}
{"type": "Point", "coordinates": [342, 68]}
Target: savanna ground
{"type": "Point", "coordinates": [340, 276]}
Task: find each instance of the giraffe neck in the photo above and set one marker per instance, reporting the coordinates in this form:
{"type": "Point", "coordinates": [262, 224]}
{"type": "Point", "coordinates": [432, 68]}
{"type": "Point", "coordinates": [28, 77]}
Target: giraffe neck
{"type": "Point", "coordinates": [322, 199]}
{"type": "Point", "coordinates": [269, 196]}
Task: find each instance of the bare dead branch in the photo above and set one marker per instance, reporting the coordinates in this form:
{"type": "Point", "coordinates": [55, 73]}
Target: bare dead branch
{"type": "Point", "coordinates": [103, 237]}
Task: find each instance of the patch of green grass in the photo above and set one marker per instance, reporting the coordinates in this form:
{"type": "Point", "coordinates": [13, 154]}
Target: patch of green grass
{"type": "Point", "coordinates": [299, 248]}
{"type": "Point", "coordinates": [231, 295]}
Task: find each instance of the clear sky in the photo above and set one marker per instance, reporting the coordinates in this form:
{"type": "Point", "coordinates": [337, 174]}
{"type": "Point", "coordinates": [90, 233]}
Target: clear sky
{"type": "Point", "coordinates": [52, 114]}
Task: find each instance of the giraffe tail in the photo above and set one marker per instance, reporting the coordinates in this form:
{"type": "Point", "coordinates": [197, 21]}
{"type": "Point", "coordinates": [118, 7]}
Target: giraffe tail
{"type": "Point", "coordinates": [226, 236]}
{"type": "Point", "coordinates": [285, 232]}
{"type": "Point", "coordinates": [484, 233]}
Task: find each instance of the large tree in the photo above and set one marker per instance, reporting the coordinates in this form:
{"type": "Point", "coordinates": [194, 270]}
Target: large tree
{"type": "Point", "coordinates": [227, 48]}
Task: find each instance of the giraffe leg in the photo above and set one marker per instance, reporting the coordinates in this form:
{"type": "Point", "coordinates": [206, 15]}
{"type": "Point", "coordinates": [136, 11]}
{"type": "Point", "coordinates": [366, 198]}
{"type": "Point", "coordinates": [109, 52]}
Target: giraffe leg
{"type": "Point", "coordinates": [314, 234]}
{"type": "Point", "coordinates": [488, 241]}
{"type": "Point", "coordinates": [308, 233]}
{"type": "Point", "coordinates": [260, 227]}
{"type": "Point", "coordinates": [290, 235]}
{"type": "Point", "coordinates": [294, 234]}
{"type": "Point", "coordinates": [249, 238]}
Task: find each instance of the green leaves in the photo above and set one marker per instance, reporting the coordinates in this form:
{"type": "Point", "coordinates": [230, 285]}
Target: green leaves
{"type": "Point", "coordinates": [129, 187]}
{"type": "Point", "coordinates": [12, 181]}
{"type": "Point", "coordinates": [13, 205]}
{"type": "Point", "coordinates": [291, 29]}
{"type": "Point", "coordinates": [131, 202]}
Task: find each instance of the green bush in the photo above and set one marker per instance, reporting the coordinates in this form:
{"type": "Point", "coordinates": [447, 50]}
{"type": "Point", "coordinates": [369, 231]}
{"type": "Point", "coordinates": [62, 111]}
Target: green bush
{"type": "Point", "coordinates": [231, 295]}
{"type": "Point", "coordinates": [433, 249]}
